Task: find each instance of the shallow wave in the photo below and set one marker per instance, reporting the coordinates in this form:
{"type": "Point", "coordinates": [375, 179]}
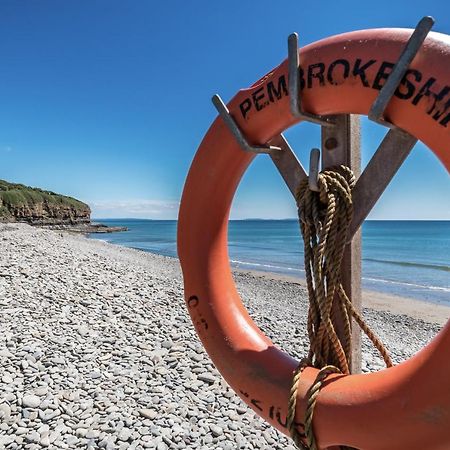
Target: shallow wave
{"type": "Point", "coordinates": [268, 266]}
{"type": "Point", "coordinates": [402, 283]}
{"type": "Point", "coordinates": [442, 267]}
{"type": "Point", "coordinates": [377, 280]}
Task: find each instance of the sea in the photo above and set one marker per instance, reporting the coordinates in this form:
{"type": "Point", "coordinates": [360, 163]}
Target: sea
{"type": "Point", "coordinates": [406, 258]}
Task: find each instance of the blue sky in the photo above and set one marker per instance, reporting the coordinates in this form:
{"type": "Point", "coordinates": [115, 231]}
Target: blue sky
{"type": "Point", "coordinates": [107, 101]}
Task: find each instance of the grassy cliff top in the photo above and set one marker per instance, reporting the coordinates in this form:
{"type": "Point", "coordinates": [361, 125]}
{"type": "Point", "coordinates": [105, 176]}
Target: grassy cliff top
{"type": "Point", "coordinates": [14, 195]}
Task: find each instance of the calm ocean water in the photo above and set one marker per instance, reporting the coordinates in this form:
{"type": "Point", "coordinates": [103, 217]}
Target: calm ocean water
{"type": "Point", "coordinates": [407, 258]}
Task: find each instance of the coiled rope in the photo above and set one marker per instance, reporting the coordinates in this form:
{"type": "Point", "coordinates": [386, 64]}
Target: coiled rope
{"type": "Point", "coordinates": [324, 218]}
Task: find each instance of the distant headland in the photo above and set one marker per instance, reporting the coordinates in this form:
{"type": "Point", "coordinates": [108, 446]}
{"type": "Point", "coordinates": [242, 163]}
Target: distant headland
{"type": "Point", "coordinates": [20, 203]}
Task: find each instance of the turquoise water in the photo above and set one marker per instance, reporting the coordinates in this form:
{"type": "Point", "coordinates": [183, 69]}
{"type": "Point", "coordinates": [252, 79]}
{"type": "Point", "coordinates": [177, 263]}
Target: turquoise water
{"type": "Point", "coordinates": [407, 258]}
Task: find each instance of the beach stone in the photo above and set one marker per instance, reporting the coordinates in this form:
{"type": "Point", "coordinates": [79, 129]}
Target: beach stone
{"type": "Point", "coordinates": [167, 344]}
{"type": "Point", "coordinates": [153, 385]}
{"type": "Point", "coordinates": [148, 413]}
{"type": "Point", "coordinates": [45, 439]}
{"type": "Point", "coordinates": [70, 439]}
{"type": "Point", "coordinates": [95, 374]}
{"type": "Point", "coordinates": [5, 412]}
{"type": "Point", "coordinates": [125, 434]}
{"type": "Point", "coordinates": [32, 437]}
{"type": "Point", "coordinates": [216, 430]}
{"type": "Point", "coordinates": [7, 379]}
{"type": "Point", "coordinates": [9, 397]}
{"type": "Point", "coordinates": [41, 391]}
{"type": "Point", "coordinates": [92, 434]}
{"type": "Point", "coordinates": [31, 401]}
{"type": "Point", "coordinates": [81, 432]}
{"type": "Point", "coordinates": [53, 436]}
{"type": "Point", "coordinates": [6, 440]}
{"type": "Point", "coordinates": [207, 378]}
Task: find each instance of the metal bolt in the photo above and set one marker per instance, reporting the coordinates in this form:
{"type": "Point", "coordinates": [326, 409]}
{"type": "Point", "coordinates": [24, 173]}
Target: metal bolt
{"type": "Point", "coordinates": [331, 143]}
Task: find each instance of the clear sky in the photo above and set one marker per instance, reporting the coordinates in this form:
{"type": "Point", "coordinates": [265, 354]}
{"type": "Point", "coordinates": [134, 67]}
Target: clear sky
{"type": "Point", "coordinates": [107, 101]}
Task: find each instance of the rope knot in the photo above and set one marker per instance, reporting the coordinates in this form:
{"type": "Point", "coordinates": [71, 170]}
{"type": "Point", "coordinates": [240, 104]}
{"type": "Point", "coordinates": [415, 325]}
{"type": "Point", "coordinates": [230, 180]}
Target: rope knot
{"type": "Point", "coordinates": [324, 219]}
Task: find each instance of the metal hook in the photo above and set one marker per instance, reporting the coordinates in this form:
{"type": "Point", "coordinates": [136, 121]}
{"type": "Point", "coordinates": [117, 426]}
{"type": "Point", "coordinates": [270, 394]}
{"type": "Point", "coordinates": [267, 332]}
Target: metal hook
{"type": "Point", "coordinates": [313, 177]}
{"type": "Point", "coordinates": [294, 86]}
{"type": "Point", "coordinates": [399, 70]}
{"type": "Point", "coordinates": [236, 131]}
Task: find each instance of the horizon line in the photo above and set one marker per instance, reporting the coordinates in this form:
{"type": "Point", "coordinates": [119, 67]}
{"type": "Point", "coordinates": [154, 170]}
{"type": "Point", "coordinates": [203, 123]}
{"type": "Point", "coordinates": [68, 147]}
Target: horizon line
{"type": "Point", "coordinates": [262, 219]}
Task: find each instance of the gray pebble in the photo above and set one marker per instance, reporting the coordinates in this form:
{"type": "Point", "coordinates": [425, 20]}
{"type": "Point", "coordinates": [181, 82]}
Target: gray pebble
{"type": "Point", "coordinates": [216, 430]}
{"type": "Point", "coordinates": [148, 413]}
{"type": "Point", "coordinates": [99, 336]}
{"type": "Point", "coordinates": [31, 401]}
{"type": "Point", "coordinates": [124, 434]}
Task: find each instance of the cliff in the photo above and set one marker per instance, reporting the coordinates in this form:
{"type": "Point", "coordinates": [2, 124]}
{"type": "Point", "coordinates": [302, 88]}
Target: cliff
{"type": "Point", "coordinates": [20, 203]}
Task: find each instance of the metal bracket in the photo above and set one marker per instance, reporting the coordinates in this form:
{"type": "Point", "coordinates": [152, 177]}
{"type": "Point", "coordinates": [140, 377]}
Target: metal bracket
{"type": "Point", "coordinates": [390, 155]}
{"type": "Point", "coordinates": [313, 177]}
{"type": "Point", "coordinates": [397, 144]}
{"type": "Point", "coordinates": [399, 70]}
{"type": "Point", "coordinates": [288, 165]}
{"type": "Point", "coordinates": [294, 103]}
{"type": "Point", "coordinates": [294, 86]}
{"type": "Point", "coordinates": [236, 131]}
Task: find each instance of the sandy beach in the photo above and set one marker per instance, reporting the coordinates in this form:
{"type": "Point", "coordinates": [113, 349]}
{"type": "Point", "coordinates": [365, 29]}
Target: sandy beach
{"type": "Point", "coordinates": [97, 349]}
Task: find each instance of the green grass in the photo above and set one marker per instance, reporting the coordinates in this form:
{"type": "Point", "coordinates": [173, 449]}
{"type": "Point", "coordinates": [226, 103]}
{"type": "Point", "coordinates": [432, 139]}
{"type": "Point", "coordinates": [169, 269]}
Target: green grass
{"type": "Point", "coordinates": [13, 195]}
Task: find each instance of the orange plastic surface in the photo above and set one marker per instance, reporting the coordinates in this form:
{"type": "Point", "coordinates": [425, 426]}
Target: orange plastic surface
{"type": "Point", "coordinates": [403, 408]}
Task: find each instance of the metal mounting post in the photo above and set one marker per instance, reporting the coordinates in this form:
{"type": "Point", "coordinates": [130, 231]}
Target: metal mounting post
{"type": "Point", "coordinates": [341, 145]}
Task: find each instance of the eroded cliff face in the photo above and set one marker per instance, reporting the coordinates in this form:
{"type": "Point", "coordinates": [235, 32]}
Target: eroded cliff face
{"type": "Point", "coordinates": [48, 214]}
{"type": "Point", "coordinates": [36, 206]}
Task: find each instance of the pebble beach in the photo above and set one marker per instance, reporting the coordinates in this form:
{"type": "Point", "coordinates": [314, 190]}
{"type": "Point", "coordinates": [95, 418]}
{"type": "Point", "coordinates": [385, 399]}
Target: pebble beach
{"type": "Point", "coordinates": [97, 349]}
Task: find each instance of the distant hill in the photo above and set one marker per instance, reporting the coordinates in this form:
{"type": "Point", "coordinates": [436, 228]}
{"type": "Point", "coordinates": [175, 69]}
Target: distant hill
{"type": "Point", "coordinates": [20, 203]}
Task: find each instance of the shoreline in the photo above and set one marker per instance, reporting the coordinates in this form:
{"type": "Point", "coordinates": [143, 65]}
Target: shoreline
{"type": "Point", "coordinates": [427, 311]}
{"type": "Point", "coordinates": [433, 311]}
{"type": "Point", "coordinates": [415, 267]}
{"type": "Point", "coordinates": [378, 301]}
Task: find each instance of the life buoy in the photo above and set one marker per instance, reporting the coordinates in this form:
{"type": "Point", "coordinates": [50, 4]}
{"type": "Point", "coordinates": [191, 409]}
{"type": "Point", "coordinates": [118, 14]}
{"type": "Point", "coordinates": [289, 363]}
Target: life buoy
{"type": "Point", "coordinates": [404, 407]}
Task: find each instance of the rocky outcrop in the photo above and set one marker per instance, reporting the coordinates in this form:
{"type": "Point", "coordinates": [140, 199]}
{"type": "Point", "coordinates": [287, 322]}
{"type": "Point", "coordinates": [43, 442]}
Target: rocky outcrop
{"type": "Point", "coordinates": [20, 203]}
{"type": "Point", "coordinates": [85, 228]}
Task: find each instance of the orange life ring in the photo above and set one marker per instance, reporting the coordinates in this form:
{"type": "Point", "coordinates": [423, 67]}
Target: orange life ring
{"type": "Point", "coordinates": [405, 407]}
